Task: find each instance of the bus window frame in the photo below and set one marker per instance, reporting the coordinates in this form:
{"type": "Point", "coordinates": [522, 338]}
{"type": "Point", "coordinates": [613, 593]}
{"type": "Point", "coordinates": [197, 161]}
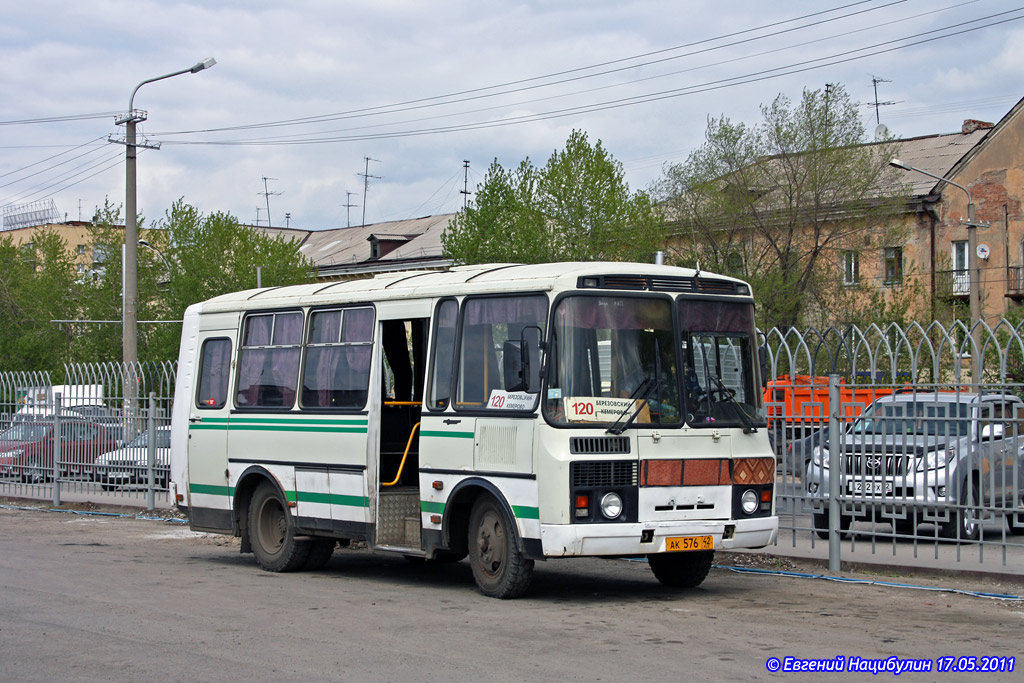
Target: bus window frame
{"type": "Point", "coordinates": [605, 293]}
{"type": "Point", "coordinates": [428, 389]}
{"type": "Point", "coordinates": [199, 374]}
{"type": "Point", "coordinates": [246, 315]}
{"type": "Point", "coordinates": [484, 411]}
{"type": "Point", "coordinates": [308, 330]}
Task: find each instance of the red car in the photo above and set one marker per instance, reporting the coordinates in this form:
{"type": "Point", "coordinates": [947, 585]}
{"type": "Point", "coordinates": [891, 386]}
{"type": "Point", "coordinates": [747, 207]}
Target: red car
{"type": "Point", "coordinates": [26, 449]}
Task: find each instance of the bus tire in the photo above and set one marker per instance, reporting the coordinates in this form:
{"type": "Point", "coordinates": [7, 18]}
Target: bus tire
{"type": "Point", "coordinates": [320, 552]}
{"type": "Point", "coordinates": [499, 568]}
{"type": "Point", "coordinates": [681, 570]}
{"type": "Point", "coordinates": [272, 533]}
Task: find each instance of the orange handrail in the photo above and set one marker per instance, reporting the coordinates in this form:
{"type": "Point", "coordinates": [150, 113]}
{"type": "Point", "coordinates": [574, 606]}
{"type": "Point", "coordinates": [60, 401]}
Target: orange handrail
{"type": "Point", "coordinates": [401, 403]}
{"type": "Point", "coordinates": [405, 455]}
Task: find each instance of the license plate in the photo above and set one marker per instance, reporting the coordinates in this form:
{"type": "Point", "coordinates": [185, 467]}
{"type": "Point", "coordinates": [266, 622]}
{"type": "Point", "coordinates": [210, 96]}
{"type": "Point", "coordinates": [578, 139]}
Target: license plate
{"type": "Point", "coordinates": [681, 543]}
{"type": "Point", "coordinates": [869, 488]}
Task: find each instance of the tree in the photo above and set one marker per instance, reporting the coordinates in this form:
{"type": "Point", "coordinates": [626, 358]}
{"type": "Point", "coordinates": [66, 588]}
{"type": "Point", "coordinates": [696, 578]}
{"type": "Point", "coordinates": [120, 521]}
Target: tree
{"type": "Point", "coordinates": [577, 208]}
{"type": "Point", "coordinates": [777, 203]}
{"type": "Point", "coordinates": [37, 285]}
{"type": "Point", "coordinates": [194, 258]}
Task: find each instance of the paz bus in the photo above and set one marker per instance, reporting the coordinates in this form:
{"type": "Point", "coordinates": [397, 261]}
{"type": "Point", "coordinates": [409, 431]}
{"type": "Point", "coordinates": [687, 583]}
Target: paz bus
{"type": "Point", "coordinates": [511, 413]}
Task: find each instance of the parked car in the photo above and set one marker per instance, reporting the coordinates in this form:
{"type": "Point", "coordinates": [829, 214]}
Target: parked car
{"type": "Point", "coordinates": [945, 456]}
{"type": "Point", "coordinates": [26, 449]}
{"type": "Point", "coordinates": [129, 464]}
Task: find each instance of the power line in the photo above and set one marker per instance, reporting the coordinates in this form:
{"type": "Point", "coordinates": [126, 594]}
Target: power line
{"type": "Point", "coordinates": [419, 103]}
{"type": "Point", "coordinates": [872, 50]}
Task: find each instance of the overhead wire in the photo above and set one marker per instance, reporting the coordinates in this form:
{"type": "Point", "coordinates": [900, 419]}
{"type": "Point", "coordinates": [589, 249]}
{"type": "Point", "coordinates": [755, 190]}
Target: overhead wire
{"type": "Point", "coordinates": [765, 74]}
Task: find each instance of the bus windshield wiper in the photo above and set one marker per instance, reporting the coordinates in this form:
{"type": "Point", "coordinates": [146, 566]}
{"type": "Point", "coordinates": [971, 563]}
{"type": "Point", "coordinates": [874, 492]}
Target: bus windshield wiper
{"type": "Point", "coordinates": [644, 391]}
{"type": "Point", "coordinates": [729, 396]}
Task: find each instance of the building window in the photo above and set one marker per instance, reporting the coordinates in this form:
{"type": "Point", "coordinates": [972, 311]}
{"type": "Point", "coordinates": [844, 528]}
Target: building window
{"type": "Point", "coordinates": [81, 249]}
{"type": "Point", "coordinates": [893, 265]}
{"type": "Point", "coordinates": [961, 276]}
{"type": "Point", "coordinates": [851, 268]}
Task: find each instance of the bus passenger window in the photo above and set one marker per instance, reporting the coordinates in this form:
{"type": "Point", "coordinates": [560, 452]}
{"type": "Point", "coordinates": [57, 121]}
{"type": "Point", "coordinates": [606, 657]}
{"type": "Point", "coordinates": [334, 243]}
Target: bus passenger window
{"type": "Point", "coordinates": [487, 324]}
{"type": "Point", "coordinates": [268, 362]}
{"type": "Point", "coordinates": [338, 351]}
{"type": "Point", "coordinates": [445, 322]}
{"type": "Point", "coordinates": [214, 366]}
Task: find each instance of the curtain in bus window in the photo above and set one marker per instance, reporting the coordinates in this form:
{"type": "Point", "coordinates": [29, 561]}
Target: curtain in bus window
{"type": "Point", "coordinates": [213, 373]}
{"type": "Point", "coordinates": [268, 374]}
{"type": "Point", "coordinates": [338, 359]}
{"type": "Point", "coordinates": [487, 324]}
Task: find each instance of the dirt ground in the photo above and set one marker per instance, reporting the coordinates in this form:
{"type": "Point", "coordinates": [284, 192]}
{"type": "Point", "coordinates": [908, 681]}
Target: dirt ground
{"type": "Point", "coordinates": [102, 597]}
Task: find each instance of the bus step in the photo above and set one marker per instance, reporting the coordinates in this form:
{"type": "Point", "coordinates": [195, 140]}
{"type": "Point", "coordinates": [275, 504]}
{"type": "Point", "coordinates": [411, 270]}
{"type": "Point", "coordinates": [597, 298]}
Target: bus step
{"type": "Point", "coordinates": [399, 523]}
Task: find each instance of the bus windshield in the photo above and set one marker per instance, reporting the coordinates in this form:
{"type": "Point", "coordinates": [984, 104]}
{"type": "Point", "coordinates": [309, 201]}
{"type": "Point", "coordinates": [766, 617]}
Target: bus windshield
{"type": "Point", "coordinates": [611, 357]}
{"type": "Point", "coordinates": [719, 356]}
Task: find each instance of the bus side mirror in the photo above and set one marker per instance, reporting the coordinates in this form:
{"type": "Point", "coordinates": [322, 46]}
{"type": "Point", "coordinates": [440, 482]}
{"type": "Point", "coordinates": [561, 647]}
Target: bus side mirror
{"type": "Point", "coordinates": [520, 360]}
{"type": "Point", "coordinates": [516, 365]}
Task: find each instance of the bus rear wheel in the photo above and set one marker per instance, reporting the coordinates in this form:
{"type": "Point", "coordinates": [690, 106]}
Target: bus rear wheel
{"type": "Point", "coordinates": [272, 533]}
{"type": "Point", "coordinates": [681, 570]}
{"type": "Point", "coordinates": [499, 567]}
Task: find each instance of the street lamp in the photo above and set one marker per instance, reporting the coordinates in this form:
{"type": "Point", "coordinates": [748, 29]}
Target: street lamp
{"type": "Point", "coordinates": [130, 351]}
{"type": "Point", "coordinates": [973, 271]}
{"type": "Point", "coordinates": [167, 264]}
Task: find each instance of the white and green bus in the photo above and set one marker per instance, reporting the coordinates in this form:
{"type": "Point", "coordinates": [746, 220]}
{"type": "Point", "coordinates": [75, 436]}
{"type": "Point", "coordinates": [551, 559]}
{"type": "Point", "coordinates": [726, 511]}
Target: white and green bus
{"type": "Point", "coordinates": [511, 413]}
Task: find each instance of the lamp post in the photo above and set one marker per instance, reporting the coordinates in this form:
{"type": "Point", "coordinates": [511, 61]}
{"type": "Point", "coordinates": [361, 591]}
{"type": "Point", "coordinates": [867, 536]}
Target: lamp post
{"type": "Point", "coordinates": [167, 264]}
{"type": "Point", "coordinates": [973, 270]}
{"type": "Point", "coordinates": [130, 351]}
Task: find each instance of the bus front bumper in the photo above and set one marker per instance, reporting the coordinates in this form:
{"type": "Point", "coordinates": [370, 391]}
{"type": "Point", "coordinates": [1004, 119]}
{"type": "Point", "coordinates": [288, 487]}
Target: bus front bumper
{"type": "Point", "coordinates": [572, 540]}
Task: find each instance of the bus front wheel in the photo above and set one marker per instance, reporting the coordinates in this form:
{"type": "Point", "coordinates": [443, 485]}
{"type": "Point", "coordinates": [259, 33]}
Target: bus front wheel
{"type": "Point", "coordinates": [272, 533]}
{"type": "Point", "coordinates": [681, 570]}
{"type": "Point", "coordinates": [499, 568]}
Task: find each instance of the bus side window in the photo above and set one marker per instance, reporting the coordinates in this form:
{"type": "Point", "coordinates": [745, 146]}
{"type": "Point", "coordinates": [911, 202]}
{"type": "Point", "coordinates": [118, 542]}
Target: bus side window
{"type": "Point", "coordinates": [268, 363]}
{"type": "Point", "coordinates": [214, 366]}
{"type": "Point", "coordinates": [443, 353]}
{"type": "Point", "coordinates": [338, 352]}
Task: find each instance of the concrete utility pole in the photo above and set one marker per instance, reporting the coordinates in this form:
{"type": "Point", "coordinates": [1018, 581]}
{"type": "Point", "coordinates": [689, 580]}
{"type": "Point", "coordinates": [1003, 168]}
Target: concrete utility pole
{"type": "Point", "coordinates": [131, 229]}
{"type": "Point", "coordinates": [465, 184]}
{"type": "Point", "coordinates": [366, 181]}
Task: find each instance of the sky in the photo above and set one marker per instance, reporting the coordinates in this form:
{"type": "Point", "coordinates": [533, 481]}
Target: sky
{"type": "Point", "coordinates": [305, 91]}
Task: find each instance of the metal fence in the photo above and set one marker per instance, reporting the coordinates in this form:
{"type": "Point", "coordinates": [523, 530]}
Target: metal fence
{"type": "Point", "coordinates": [97, 432]}
{"type": "Point", "coordinates": [898, 438]}
{"type": "Point", "coordinates": [906, 439]}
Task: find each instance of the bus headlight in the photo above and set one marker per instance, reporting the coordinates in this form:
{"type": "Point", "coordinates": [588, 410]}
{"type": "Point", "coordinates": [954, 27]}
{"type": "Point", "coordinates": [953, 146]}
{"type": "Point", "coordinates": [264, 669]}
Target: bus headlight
{"type": "Point", "coordinates": [611, 505]}
{"type": "Point", "coordinates": [749, 501]}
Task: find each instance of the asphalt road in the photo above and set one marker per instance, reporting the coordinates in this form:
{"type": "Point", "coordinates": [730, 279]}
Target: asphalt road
{"type": "Point", "coordinates": [112, 599]}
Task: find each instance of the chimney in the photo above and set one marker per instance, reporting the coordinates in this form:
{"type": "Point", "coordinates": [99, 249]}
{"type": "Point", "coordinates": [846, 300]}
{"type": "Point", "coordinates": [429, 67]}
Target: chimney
{"type": "Point", "coordinates": [971, 125]}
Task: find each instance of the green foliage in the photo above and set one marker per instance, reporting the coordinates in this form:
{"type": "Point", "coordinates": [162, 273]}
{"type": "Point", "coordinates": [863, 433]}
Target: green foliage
{"type": "Point", "coordinates": [194, 257]}
{"type": "Point", "coordinates": [776, 202]}
{"type": "Point", "coordinates": [577, 208]}
{"type": "Point", "coordinates": [36, 286]}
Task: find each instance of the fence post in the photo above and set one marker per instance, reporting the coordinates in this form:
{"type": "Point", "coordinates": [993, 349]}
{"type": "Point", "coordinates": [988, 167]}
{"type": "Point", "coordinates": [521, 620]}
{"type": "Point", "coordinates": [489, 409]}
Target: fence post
{"type": "Point", "coordinates": [151, 452]}
{"type": "Point", "coordinates": [834, 474]}
{"type": "Point", "coordinates": [56, 449]}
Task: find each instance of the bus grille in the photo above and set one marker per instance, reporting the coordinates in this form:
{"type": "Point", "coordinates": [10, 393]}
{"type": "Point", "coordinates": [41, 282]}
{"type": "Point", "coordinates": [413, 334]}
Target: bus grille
{"type": "Point", "coordinates": [617, 473]}
{"type": "Point", "coordinates": [598, 445]}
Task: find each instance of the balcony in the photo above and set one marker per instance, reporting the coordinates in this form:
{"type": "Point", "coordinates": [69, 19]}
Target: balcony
{"type": "Point", "coordinates": [1015, 282]}
{"type": "Point", "coordinates": [953, 284]}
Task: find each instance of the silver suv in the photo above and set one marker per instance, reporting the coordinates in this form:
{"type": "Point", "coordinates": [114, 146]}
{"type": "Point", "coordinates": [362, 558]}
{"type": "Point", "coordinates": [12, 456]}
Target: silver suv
{"type": "Point", "coordinates": [928, 457]}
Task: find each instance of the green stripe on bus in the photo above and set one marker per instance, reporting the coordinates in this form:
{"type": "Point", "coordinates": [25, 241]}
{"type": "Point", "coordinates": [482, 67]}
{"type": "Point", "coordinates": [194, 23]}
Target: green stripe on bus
{"type": "Point", "coordinates": [211, 489]}
{"type": "Point", "coordinates": [264, 427]}
{"type": "Point", "coordinates": [292, 421]}
{"type": "Point", "coordinates": [431, 506]}
{"type": "Point", "coordinates": [526, 512]}
{"type": "Point", "coordinates": [333, 499]}
{"type": "Point", "coordinates": [449, 435]}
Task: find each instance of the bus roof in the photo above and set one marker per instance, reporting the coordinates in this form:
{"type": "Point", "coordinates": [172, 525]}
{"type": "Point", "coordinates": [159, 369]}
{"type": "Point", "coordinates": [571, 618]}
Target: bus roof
{"type": "Point", "coordinates": [459, 280]}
